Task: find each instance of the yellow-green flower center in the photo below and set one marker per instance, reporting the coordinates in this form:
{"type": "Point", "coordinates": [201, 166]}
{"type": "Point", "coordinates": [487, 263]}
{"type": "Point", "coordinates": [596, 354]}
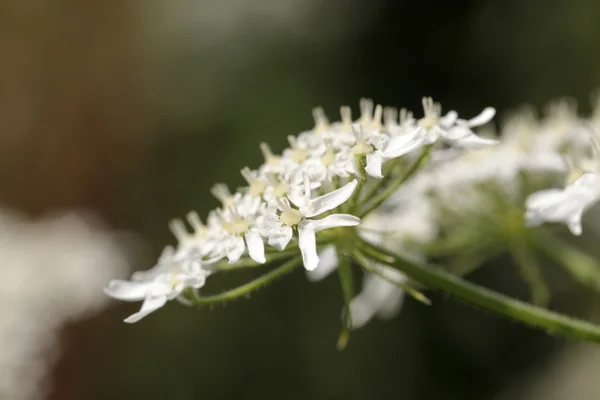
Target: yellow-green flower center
{"type": "Point", "coordinates": [290, 217]}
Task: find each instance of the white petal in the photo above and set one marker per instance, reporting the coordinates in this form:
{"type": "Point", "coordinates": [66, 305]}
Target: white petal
{"type": "Point", "coordinates": [393, 304]}
{"type": "Point", "coordinates": [150, 305]}
{"type": "Point", "coordinates": [565, 206]}
{"type": "Point", "coordinates": [483, 118]}
{"type": "Point", "coordinates": [545, 198]}
{"type": "Point", "coordinates": [235, 249]}
{"type": "Point", "coordinates": [373, 167]}
{"type": "Point", "coordinates": [589, 180]}
{"type": "Point", "coordinates": [330, 200]}
{"type": "Point", "coordinates": [328, 262]}
{"type": "Point", "coordinates": [449, 119]}
{"type": "Point", "coordinates": [378, 297]}
{"type": "Point", "coordinates": [280, 238]}
{"type": "Point", "coordinates": [297, 198]}
{"type": "Point", "coordinates": [126, 290]}
{"type": "Point", "coordinates": [574, 224]}
{"type": "Point", "coordinates": [307, 242]}
{"type": "Point", "coordinates": [404, 144]}
{"type": "Point", "coordinates": [332, 221]}
{"type": "Point", "coordinates": [471, 140]}
{"type": "Point", "coordinates": [256, 247]}
{"type": "Point", "coordinates": [361, 310]}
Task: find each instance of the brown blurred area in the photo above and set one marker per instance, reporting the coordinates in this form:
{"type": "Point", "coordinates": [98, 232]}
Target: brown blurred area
{"type": "Point", "coordinates": [73, 117]}
{"type": "Point", "coordinates": [73, 121]}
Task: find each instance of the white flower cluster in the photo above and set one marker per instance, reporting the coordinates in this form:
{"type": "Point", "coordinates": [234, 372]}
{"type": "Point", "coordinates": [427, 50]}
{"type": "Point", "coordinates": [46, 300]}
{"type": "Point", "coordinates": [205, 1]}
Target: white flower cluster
{"type": "Point", "coordinates": [559, 146]}
{"type": "Point", "coordinates": [313, 186]}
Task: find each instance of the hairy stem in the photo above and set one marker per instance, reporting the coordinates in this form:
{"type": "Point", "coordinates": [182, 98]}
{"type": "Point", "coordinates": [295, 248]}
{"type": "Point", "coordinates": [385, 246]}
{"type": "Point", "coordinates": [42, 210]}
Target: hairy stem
{"type": "Point", "coordinates": [250, 286]}
{"type": "Point", "coordinates": [486, 299]}
{"type": "Point", "coordinates": [366, 264]}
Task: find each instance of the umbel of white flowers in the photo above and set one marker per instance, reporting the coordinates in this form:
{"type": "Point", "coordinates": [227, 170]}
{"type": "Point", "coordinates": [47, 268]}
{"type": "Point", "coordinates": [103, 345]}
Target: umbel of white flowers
{"type": "Point", "coordinates": [316, 185]}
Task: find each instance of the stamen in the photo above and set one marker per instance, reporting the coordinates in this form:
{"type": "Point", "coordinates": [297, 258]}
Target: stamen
{"type": "Point", "coordinates": [200, 230]}
{"type": "Point", "coordinates": [346, 114]}
{"type": "Point", "coordinates": [298, 154]}
{"type": "Point", "coordinates": [222, 193]}
{"type": "Point", "coordinates": [366, 111]}
{"type": "Point", "coordinates": [390, 116]}
{"type": "Point", "coordinates": [376, 121]}
{"type": "Point", "coordinates": [256, 185]}
{"type": "Point", "coordinates": [321, 121]}
{"type": "Point", "coordinates": [405, 115]}
{"type": "Point", "coordinates": [270, 158]}
{"type": "Point", "coordinates": [179, 230]}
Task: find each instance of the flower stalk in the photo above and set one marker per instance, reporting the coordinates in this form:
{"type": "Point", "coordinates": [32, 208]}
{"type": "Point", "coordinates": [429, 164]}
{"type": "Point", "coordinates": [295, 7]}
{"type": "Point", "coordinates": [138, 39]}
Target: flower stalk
{"type": "Point", "coordinates": [534, 316]}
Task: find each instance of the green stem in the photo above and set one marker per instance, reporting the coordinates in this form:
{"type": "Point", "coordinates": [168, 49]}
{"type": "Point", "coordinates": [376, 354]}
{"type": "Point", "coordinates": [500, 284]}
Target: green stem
{"type": "Point", "coordinates": [250, 286]}
{"type": "Point", "coordinates": [531, 272]}
{"type": "Point", "coordinates": [383, 195]}
{"type": "Point", "coordinates": [582, 267]}
{"type": "Point", "coordinates": [247, 262]}
{"type": "Point", "coordinates": [345, 275]}
{"type": "Point", "coordinates": [367, 266]}
{"type": "Point", "coordinates": [486, 299]}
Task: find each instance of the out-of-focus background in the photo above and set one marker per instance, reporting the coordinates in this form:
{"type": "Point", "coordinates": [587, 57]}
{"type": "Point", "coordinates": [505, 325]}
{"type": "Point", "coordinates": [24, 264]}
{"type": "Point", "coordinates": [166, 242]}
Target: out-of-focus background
{"type": "Point", "coordinates": [118, 115]}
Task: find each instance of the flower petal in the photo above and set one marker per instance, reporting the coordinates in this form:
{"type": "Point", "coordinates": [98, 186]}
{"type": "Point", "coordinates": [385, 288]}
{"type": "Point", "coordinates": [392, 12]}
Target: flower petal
{"type": "Point", "coordinates": [333, 221]}
{"type": "Point", "coordinates": [566, 206]}
{"type": "Point", "coordinates": [404, 144]}
{"type": "Point", "coordinates": [235, 249]}
{"type": "Point", "coordinates": [127, 290]}
{"type": "Point", "coordinates": [328, 261]}
{"type": "Point", "coordinates": [256, 247]}
{"type": "Point", "coordinates": [361, 310]}
{"type": "Point", "coordinates": [470, 139]}
{"type": "Point", "coordinates": [281, 237]}
{"type": "Point", "coordinates": [373, 167]}
{"type": "Point", "coordinates": [150, 305]}
{"type": "Point", "coordinates": [545, 198]}
{"type": "Point", "coordinates": [574, 224]}
{"type": "Point", "coordinates": [307, 241]}
{"type": "Point", "coordinates": [449, 119]}
{"type": "Point", "coordinates": [483, 118]}
{"type": "Point", "coordinates": [330, 200]}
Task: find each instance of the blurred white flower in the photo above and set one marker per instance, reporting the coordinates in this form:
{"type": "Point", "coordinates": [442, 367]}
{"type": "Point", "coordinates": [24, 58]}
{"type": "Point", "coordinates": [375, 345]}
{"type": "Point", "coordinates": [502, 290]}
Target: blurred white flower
{"type": "Point", "coordinates": [564, 205]}
{"type": "Point", "coordinates": [52, 270]}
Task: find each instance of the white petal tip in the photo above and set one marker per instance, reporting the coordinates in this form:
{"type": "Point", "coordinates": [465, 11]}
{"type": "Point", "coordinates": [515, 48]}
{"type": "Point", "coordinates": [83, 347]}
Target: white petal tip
{"type": "Point", "coordinates": [311, 266]}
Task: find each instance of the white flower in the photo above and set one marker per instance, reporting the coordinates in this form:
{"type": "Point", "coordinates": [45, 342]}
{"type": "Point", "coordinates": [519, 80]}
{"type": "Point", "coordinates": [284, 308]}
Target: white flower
{"type": "Point", "coordinates": [564, 205]}
{"type": "Point", "coordinates": [461, 132]}
{"type": "Point", "coordinates": [240, 228]}
{"type": "Point", "coordinates": [279, 230]}
{"type": "Point", "coordinates": [155, 287]}
{"type": "Point", "coordinates": [379, 297]}
{"type": "Point", "coordinates": [433, 126]}
{"type": "Point", "coordinates": [328, 262]}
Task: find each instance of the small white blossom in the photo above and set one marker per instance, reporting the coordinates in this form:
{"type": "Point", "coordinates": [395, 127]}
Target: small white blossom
{"type": "Point", "coordinates": [564, 205]}
{"type": "Point", "coordinates": [379, 297]}
{"type": "Point", "coordinates": [280, 229]}
{"type": "Point", "coordinates": [155, 287]}
{"type": "Point", "coordinates": [240, 225]}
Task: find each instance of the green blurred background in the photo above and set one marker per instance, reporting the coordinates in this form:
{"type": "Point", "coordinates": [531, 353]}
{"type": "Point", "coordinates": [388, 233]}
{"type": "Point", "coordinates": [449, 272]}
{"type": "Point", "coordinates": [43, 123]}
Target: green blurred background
{"type": "Point", "coordinates": [134, 109]}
